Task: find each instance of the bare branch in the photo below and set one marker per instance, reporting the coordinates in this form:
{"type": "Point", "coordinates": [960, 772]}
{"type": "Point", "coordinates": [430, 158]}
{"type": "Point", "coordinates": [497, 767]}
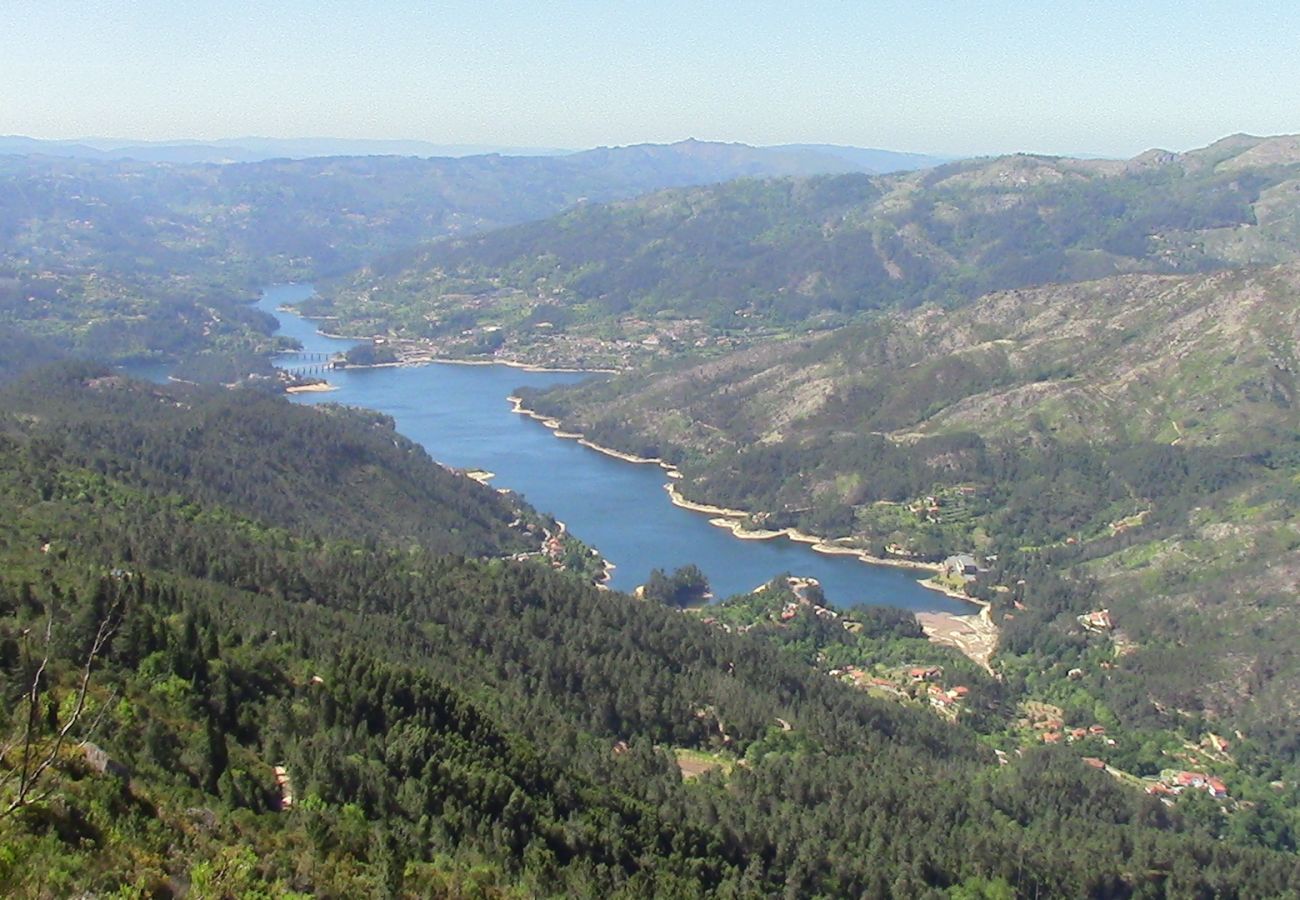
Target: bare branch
{"type": "Point", "coordinates": [29, 733]}
{"type": "Point", "coordinates": [94, 726]}
{"type": "Point", "coordinates": [27, 777]}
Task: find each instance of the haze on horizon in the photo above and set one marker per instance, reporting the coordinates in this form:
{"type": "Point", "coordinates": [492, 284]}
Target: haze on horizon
{"type": "Point", "coordinates": [1105, 78]}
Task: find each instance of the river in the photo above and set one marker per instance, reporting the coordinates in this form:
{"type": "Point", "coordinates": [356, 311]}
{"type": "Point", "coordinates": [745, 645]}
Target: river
{"type": "Point", "coordinates": [460, 415]}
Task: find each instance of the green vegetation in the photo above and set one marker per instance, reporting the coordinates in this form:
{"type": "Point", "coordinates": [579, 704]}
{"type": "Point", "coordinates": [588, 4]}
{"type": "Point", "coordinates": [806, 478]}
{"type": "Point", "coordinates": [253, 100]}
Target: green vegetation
{"type": "Point", "coordinates": [131, 260]}
{"type": "Point", "coordinates": [1127, 444]}
{"type": "Point", "coordinates": [372, 353]}
{"type": "Point", "coordinates": [701, 269]}
{"type": "Point", "coordinates": [249, 648]}
{"type": "Point", "coordinates": [687, 586]}
{"type": "Point", "coordinates": [130, 315]}
{"type": "Point", "coordinates": [444, 725]}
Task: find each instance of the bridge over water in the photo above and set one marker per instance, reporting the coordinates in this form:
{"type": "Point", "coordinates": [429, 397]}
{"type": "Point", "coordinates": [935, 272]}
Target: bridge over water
{"type": "Point", "coordinates": [304, 362]}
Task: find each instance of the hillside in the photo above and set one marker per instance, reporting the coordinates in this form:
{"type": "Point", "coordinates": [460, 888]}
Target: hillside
{"type": "Point", "coordinates": [703, 268]}
{"type": "Point", "coordinates": [274, 708]}
{"type": "Point", "coordinates": [1191, 360]}
{"type": "Point", "coordinates": [261, 458]}
{"type": "Point", "coordinates": [1138, 434]}
{"type": "Point", "coordinates": [130, 259]}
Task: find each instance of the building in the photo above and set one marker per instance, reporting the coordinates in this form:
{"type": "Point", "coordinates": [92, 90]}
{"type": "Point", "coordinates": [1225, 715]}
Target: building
{"type": "Point", "coordinates": [1213, 786]}
{"type": "Point", "coordinates": [960, 565]}
{"type": "Point", "coordinates": [1098, 620]}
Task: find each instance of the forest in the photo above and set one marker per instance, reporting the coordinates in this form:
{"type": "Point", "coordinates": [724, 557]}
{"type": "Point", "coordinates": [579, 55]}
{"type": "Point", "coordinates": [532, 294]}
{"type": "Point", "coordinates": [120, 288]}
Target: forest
{"type": "Point", "coordinates": [446, 721]}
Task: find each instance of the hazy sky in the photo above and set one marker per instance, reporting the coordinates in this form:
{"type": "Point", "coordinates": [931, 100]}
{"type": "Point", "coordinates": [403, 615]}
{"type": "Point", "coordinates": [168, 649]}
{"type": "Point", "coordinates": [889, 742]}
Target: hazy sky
{"type": "Point", "coordinates": [957, 77]}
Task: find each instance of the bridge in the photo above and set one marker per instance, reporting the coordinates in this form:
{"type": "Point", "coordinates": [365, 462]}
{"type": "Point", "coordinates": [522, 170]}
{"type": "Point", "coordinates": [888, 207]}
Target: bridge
{"type": "Point", "coordinates": [302, 362]}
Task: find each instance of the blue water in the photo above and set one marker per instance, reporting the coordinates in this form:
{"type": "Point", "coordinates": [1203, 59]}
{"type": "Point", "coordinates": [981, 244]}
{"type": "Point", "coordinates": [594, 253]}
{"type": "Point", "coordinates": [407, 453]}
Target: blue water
{"type": "Point", "coordinates": [460, 414]}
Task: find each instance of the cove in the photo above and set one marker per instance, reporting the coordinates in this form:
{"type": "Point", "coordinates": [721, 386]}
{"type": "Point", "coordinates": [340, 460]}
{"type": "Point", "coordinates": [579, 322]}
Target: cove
{"type": "Point", "coordinates": [460, 415]}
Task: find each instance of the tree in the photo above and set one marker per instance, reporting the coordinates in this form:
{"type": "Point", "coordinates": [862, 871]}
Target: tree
{"type": "Point", "coordinates": [686, 587]}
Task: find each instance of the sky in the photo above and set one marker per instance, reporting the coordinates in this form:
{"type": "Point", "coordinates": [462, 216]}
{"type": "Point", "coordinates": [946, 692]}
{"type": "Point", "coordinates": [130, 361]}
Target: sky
{"type": "Point", "coordinates": [951, 77]}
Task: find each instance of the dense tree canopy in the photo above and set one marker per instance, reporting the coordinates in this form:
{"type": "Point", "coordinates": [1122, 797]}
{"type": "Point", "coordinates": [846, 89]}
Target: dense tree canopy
{"type": "Point", "coordinates": [441, 722]}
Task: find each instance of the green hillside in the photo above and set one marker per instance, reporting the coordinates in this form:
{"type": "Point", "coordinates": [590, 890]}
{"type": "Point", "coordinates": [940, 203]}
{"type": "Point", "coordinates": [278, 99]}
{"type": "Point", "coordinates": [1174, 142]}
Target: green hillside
{"type": "Point", "coordinates": [698, 269]}
{"type": "Point", "coordinates": [1128, 443]}
{"type": "Point", "coordinates": [126, 259]}
{"type": "Point", "coordinates": [251, 705]}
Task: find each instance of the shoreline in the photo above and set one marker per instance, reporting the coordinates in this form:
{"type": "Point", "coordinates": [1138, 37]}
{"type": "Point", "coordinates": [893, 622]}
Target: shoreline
{"type": "Point", "coordinates": [974, 635]}
{"type": "Point", "coordinates": [432, 358]}
{"type": "Point", "coordinates": [731, 519]}
{"type": "Point", "coordinates": [513, 364]}
{"type": "Point", "coordinates": [602, 582]}
{"type": "Point", "coordinates": [724, 517]}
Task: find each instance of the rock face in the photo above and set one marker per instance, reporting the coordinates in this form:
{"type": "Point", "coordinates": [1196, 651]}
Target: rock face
{"type": "Point", "coordinates": [103, 764]}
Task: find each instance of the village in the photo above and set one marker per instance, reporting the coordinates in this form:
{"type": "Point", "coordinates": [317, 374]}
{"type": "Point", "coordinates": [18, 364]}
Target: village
{"type": "Point", "coordinates": [533, 329]}
{"type": "Point", "coordinates": [949, 695]}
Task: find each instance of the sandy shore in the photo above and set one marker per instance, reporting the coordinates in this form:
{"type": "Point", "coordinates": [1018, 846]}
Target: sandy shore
{"type": "Point", "coordinates": [319, 387]}
{"type": "Point", "coordinates": [602, 581]}
{"type": "Point", "coordinates": [974, 634]}
{"type": "Point", "coordinates": [738, 530]}
{"type": "Point", "coordinates": [733, 520]}
{"type": "Point", "coordinates": [517, 406]}
{"type": "Point", "coordinates": [723, 512]}
{"type": "Point", "coordinates": [724, 517]}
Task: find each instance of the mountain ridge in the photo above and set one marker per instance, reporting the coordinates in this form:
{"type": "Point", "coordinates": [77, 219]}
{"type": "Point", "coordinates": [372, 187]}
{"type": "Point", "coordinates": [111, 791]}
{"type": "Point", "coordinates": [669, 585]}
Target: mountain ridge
{"type": "Point", "coordinates": [780, 255]}
{"type": "Point", "coordinates": [155, 260]}
{"type": "Point", "coordinates": [811, 157]}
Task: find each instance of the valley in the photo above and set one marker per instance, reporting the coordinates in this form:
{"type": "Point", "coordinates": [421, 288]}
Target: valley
{"type": "Point", "coordinates": [620, 509]}
{"type": "Point", "coordinates": [351, 641]}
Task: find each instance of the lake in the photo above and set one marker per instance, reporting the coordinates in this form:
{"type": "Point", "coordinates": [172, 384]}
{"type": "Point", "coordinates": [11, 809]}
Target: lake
{"type": "Point", "coordinates": [460, 415]}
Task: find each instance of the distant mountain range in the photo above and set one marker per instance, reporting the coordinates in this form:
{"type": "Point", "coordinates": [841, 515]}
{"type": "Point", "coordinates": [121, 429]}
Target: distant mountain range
{"type": "Point", "coordinates": [867, 159]}
{"type": "Point", "coordinates": [253, 149]}
{"type": "Point", "coordinates": [137, 226]}
{"type": "Point", "coordinates": [815, 251]}
{"type": "Point", "coordinates": [812, 157]}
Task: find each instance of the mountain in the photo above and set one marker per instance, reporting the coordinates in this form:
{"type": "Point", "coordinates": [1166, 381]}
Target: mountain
{"type": "Point", "coordinates": [877, 162]}
{"type": "Point", "coordinates": [252, 149]}
{"type": "Point", "coordinates": [736, 160]}
{"type": "Point", "coordinates": [146, 259]}
{"type": "Point", "coordinates": [251, 453]}
{"type": "Point", "coordinates": [211, 696]}
{"type": "Point", "coordinates": [1129, 443]}
{"type": "Point", "coordinates": [789, 159]}
{"type": "Point", "coordinates": [697, 267]}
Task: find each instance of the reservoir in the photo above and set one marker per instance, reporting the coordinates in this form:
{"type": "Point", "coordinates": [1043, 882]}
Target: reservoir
{"type": "Point", "coordinates": [460, 415]}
